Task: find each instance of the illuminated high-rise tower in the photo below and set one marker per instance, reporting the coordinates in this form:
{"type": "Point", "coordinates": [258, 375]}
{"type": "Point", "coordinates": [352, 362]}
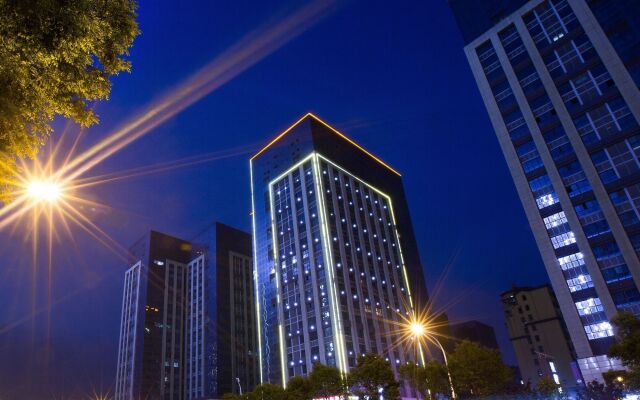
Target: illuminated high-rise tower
{"type": "Point", "coordinates": [335, 259]}
{"type": "Point", "coordinates": [560, 81]}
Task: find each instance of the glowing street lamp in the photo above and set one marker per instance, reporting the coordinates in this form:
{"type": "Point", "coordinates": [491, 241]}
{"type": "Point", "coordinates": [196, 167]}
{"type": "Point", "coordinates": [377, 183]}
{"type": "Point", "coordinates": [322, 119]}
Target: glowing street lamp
{"type": "Point", "coordinates": [419, 331]}
{"type": "Point", "coordinates": [44, 191]}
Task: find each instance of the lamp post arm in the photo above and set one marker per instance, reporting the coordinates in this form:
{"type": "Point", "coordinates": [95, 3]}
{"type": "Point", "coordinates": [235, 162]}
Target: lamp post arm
{"type": "Point", "coordinates": [446, 363]}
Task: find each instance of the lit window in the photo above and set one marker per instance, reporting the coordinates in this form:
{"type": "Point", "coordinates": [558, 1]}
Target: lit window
{"type": "Point", "coordinates": [583, 281]}
{"type": "Point", "coordinates": [563, 239]}
{"type": "Point", "coordinates": [546, 200]}
{"type": "Point", "coordinates": [554, 220]}
{"type": "Point", "coordinates": [599, 330]}
{"type": "Point", "coordinates": [571, 261]}
{"type": "Point", "coordinates": [589, 306]}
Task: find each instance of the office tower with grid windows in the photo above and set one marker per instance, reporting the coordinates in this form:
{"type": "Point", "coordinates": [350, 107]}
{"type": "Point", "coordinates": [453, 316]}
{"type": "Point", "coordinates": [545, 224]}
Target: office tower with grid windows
{"type": "Point", "coordinates": [560, 79]}
{"type": "Point", "coordinates": [188, 325]}
{"type": "Point", "coordinates": [335, 260]}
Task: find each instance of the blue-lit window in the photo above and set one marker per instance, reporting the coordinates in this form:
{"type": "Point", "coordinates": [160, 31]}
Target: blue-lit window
{"type": "Point", "coordinates": [516, 125]}
{"type": "Point", "coordinates": [587, 208]}
{"type": "Point", "coordinates": [525, 148]}
{"type": "Point", "coordinates": [570, 169]}
{"type": "Point", "coordinates": [622, 114]}
{"type": "Point", "coordinates": [618, 197]}
{"type": "Point", "coordinates": [628, 218]}
{"type": "Point", "coordinates": [617, 273]}
{"type": "Point", "coordinates": [635, 241]}
{"type": "Point", "coordinates": [634, 142]}
{"type": "Point", "coordinates": [570, 56]}
{"type": "Point", "coordinates": [513, 46]}
{"type": "Point", "coordinates": [529, 80]}
{"type": "Point", "coordinates": [489, 61]}
{"type": "Point", "coordinates": [577, 188]}
{"type": "Point", "coordinates": [585, 87]}
{"type": "Point", "coordinates": [539, 184]}
{"type": "Point", "coordinates": [542, 109]}
{"type": "Point", "coordinates": [606, 120]}
{"type": "Point", "coordinates": [504, 95]}
{"type": "Point", "coordinates": [626, 297]}
{"type": "Point", "coordinates": [596, 228]}
{"type": "Point", "coordinates": [542, 190]}
{"type": "Point", "coordinates": [608, 176]}
{"type": "Point", "coordinates": [532, 164]}
{"type": "Point", "coordinates": [606, 251]}
{"type": "Point", "coordinates": [558, 143]}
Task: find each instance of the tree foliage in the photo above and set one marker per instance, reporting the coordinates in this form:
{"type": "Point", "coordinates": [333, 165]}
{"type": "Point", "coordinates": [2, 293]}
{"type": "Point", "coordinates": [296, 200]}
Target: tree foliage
{"type": "Point", "coordinates": [56, 56]}
{"type": "Point", "coordinates": [599, 391]}
{"type": "Point", "coordinates": [477, 370]}
{"type": "Point", "coordinates": [373, 375]}
{"type": "Point", "coordinates": [326, 381]}
{"type": "Point", "coordinates": [299, 388]}
{"type": "Point", "coordinates": [627, 346]}
{"type": "Point", "coordinates": [431, 378]}
{"type": "Point", "coordinates": [266, 391]}
{"type": "Point", "coordinates": [547, 387]}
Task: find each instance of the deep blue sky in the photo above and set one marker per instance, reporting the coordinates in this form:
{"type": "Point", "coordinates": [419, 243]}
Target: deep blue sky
{"type": "Point", "coordinates": [392, 75]}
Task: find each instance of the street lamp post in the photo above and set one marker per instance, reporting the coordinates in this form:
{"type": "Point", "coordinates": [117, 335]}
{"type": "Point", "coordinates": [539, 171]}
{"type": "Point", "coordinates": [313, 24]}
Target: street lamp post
{"type": "Point", "coordinates": [419, 331]}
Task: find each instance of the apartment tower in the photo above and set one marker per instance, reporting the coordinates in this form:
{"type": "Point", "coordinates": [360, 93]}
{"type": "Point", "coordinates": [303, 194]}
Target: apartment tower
{"type": "Point", "coordinates": [559, 79]}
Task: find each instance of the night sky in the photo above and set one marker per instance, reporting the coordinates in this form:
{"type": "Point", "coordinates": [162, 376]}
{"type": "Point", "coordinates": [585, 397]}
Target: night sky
{"type": "Point", "coordinates": [391, 75]}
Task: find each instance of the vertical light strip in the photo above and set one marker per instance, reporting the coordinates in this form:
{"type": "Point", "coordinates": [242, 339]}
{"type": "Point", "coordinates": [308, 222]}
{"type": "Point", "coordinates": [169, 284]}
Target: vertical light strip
{"type": "Point", "coordinates": [275, 257]}
{"type": "Point", "coordinates": [333, 293]}
{"type": "Point", "coordinates": [256, 289]}
{"type": "Point", "coordinates": [278, 305]}
{"type": "Point", "coordinates": [404, 269]}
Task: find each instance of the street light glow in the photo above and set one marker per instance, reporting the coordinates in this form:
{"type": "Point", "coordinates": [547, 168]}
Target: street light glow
{"type": "Point", "coordinates": [44, 191]}
{"type": "Point", "coordinates": [417, 329]}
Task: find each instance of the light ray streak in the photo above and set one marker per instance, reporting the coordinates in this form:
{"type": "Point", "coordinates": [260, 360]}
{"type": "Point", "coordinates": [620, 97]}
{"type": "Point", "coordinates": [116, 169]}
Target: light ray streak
{"type": "Point", "coordinates": [72, 150]}
{"type": "Point", "coordinates": [251, 49]}
{"type": "Point", "coordinates": [17, 214]}
{"type": "Point", "coordinates": [85, 223]}
{"type": "Point", "coordinates": [162, 167]}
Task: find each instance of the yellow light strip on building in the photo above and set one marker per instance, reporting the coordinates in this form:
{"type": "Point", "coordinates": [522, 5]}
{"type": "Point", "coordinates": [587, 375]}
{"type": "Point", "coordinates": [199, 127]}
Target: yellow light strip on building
{"type": "Point", "coordinates": [340, 345]}
{"type": "Point", "coordinates": [280, 136]}
{"type": "Point", "coordinates": [255, 272]}
{"type": "Point", "coordinates": [404, 269]}
{"type": "Point", "coordinates": [343, 136]}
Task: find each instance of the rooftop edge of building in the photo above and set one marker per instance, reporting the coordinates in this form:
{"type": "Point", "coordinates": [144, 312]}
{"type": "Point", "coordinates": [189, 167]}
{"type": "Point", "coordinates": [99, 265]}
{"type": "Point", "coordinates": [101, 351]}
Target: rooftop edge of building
{"type": "Point", "coordinates": [313, 119]}
{"type": "Point", "coordinates": [475, 17]}
{"type": "Point", "coordinates": [517, 289]}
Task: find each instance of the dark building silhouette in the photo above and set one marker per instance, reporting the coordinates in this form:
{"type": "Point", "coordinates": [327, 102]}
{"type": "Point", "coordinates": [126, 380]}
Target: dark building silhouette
{"type": "Point", "coordinates": [475, 331]}
{"type": "Point", "coordinates": [188, 324]}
